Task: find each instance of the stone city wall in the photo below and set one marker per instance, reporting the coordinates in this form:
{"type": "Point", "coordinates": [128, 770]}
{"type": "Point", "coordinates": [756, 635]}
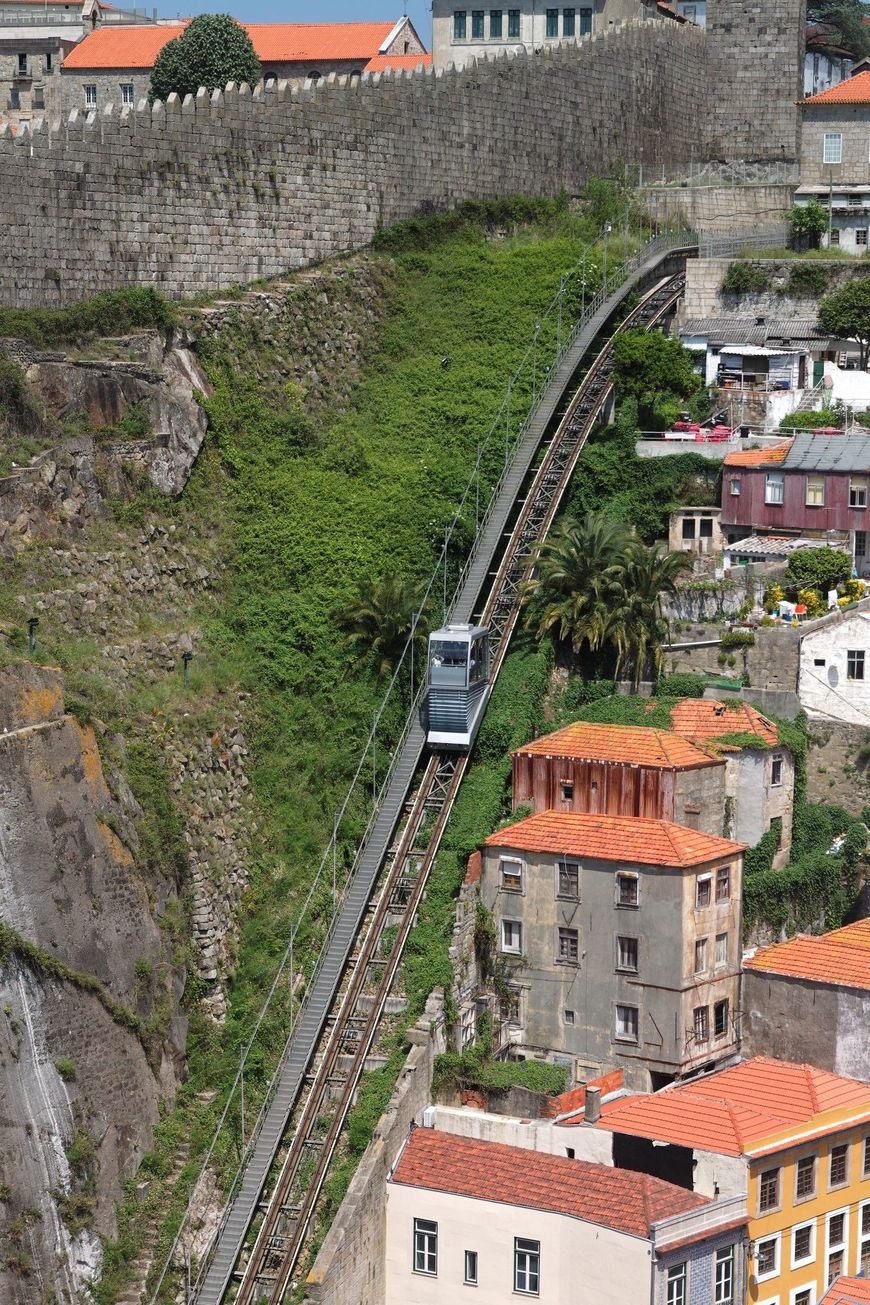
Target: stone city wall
{"type": "Point", "coordinates": [234, 187]}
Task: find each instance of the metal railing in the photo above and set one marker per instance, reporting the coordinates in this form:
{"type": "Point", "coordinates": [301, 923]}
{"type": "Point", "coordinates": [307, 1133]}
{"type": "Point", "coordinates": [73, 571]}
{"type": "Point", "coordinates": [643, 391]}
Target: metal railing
{"type": "Point", "coordinates": [530, 380]}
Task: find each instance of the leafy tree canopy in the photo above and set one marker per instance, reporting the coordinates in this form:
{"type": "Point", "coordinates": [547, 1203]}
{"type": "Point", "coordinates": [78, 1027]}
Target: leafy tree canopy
{"type": "Point", "coordinates": [657, 372]}
{"type": "Point", "coordinates": [211, 51]}
{"type": "Point", "coordinates": [807, 222]}
{"type": "Point", "coordinates": [818, 568]}
{"type": "Point", "coordinates": [846, 314]}
{"type": "Point", "coordinates": [844, 21]}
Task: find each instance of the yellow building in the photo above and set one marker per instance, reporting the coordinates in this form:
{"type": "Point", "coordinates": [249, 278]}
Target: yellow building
{"type": "Point", "coordinates": [794, 1138]}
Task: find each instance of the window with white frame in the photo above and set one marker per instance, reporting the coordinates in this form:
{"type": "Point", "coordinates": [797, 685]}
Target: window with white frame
{"type": "Point", "coordinates": [776, 772]}
{"type": "Point", "coordinates": [468, 1026]}
{"type": "Point", "coordinates": [857, 491]}
{"type": "Point", "coordinates": [90, 96]}
{"type": "Point", "coordinates": [803, 1296]}
{"type": "Point", "coordinates": [627, 889]}
{"type": "Point", "coordinates": [803, 1244]}
{"type": "Point", "coordinates": [863, 1265]}
{"type": "Point", "coordinates": [626, 954]}
{"type": "Point", "coordinates": [774, 487]}
{"type": "Point", "coordinates": [527, 1266]}
{"type": "Point", "coordinates": [815, 491]}
{"type": "Point", "coordinates": [721, 949]}
{"type": "Point", "coordinates": [835, 1258]}
{"type": "Point", "coordinates": [566, 788]}
{"type": "Point", "coordinates": [626, 1024]}
{"type": "Point", "coordinates": [676, 1293]}
{"type": "Point", "coordinates": [723, 1281]}
{"type": "Point", "coordinates": [425, 1246]}
{"type": "Point", "coordinates": [127, 92]}
{"type": "Point", "coordinates": [766, 1258]}
{"type": "Point", "coordinates": [512, 937]}
{"type": "Point", "coordinates": [511, 874]}
{"type": "Point", "coordinates": [735, 486]}
{"type": "Point", "coordinates": [832, 148]}
{"type": "Point", "coordinates": [471, 1268]}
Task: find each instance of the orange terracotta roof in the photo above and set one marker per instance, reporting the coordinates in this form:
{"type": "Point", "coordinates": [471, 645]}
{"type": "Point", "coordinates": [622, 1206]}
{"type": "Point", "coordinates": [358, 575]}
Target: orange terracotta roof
{"type": "Point", "coordinates": [138, 47]}
{"type": "Point", "coordinates": [633, 839]}
{"type": "Point", "coordinates": [698, 719]}
{"type": "Point", "coordinates": [855, 90]}
{"type": "Point", "coordinates": [759, 457]}
{"type": "Point", "coordinates": [633, 745]}
{"type": "Point", "coordinates": [848, 1291]}
{"type": "Point", "coordinates": [841, 958]}
{"type": "Point", "coordinates": [510, 1175]}
{"type": "Point", "coordinates": [382, 62]}
{"type": "Point", "coordinates": [732, 1112]}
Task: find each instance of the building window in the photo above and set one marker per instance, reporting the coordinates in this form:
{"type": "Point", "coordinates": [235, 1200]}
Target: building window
{"type": "Point", "coordinates": [815, 491]}
{"type": "Point", "coordinates": [511, 937]}
{"type": "Point", "coordinates": [513, 24]}
{"type": "Point", "coordinates": [839, 1165]}
{"type": "Point", "coordinates": [805, 1184]}
{"type": "Point", "coordinates": [22, 65]}
{"type": "Point", "coordinates": [471, 1268]}
{"type": "Point", "coordinates": [723, 884]}
{"type": "Point", "coordinates": [864, 1240]}
{"type": "Point", "coordinates": [776, 823]}
{"type": "Point", "coordinates": [459, 25]}
{"type": "Point", "coordinates": [569, 22]}
{"type": "Point", "coordinates": [527, 1266]}
{"type": "Point", "coordinates": [126, 92]}
{"type": "Point", "coordinates": [857, 492]}
{"type": "Point", "coordinates": [425, 1246]}
{"type": "Point", "coordinates": [703, 892]}
{"type": "Point", "coordinates": [803, 1296]}
{"type": "Point", "coordinates": [510, 1006]}
{"type": "Point", "coordinates": [735, 486]}
{"type": "Point", "coordinates": [467, 1025]}
{"type": "Point", "coordinates": [776, 772]}
{"type": "Point", "coordinates": [855, 664]}
{"type": "Point", "coordinates": [774, 487]}
{"type": "Point", "coordinates": [724, 1278]}
{"type": "Point", "coordinates": [626, 890]}
{"type": "Point", "coordinates": [861, 236]}
{"type": "Point", "coordinates": [477, 24]}
{"type": "Point", "coordinates": [720, 1018]}
{"type": "Point", "coordinates": [626, 1024]}
{"type": "Point", "coordinates": [860, 543]}
{"type": "Point", "coordinates": [511, 875]}
{"type": "Point", "coordinates": [585, 22]}
{"type": "Point", "coordinates": [552, 23]}
{"type": "Point", "coordinates": [568, 1017]}
{"type": "Point", "coordinates": [90, 97]}
{"type": "Point", "coordinates": [700, 955]}
{"type": "Point", "coordinates": [495, 24]}
{"type": "Point", "coordinates": [832, 149]}
{"type": "Point", "coordinates": [626, 954]}
{"type": "Point", "coordinates": [701, 1023]}
{"type": "Point", "coordinates": [803, 1250]}
{"type": "Point", "coordinates": [14, 99]}
{"type": "Point", "coordinates": [865, 1167]}
{"type": "Point", "coordinates": [676, 1294]}
{"type": "Point", "coordinates": [569, 952]}
{"type": "Point", "coordinates": [835, 236]}
{"type": "Point", "coordinates": [836, 1246]}
{"type": "Point", "coordinates": [768, 1191]}
{"type": "Point", "coordinates": [566, 787]}
{"type": "Point", "coordinates": [569, 879]}
{"type": "Point", "coordinates": [767, 1251]}
{"type": "Point", "coordinates": [721, 957]}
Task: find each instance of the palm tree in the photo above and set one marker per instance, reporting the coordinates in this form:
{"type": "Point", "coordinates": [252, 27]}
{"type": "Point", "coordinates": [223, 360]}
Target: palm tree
{"type": "Point", "coordinates": [571, 592]}
{"type": "Point", "coordinates": [379, 622]}
{"type": "Point", "coordinates": [637, 627]}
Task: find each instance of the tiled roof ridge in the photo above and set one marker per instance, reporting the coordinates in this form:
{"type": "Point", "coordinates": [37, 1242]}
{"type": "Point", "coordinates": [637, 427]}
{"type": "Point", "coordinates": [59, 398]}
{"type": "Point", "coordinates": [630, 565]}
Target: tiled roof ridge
{"type": "Point", "coordinates": [738, 1131]}
{"type": "Point", "coordinates": [810, 1078]}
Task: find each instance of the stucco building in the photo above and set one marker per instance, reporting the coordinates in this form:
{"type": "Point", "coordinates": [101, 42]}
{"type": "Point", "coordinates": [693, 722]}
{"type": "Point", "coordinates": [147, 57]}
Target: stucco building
{"type": "Point", "coordinates": [835, 162]}
{"type": "Point", "coordinates": [509, 1223]}
{"type": "Point", "coordinates": [619, 942]}
{"type": "Point", "coordinates": [810, 998]}
{"type": "Point", "coordinates": [835, 669]}
{"type": "Point", "coordinates": [114, 66]}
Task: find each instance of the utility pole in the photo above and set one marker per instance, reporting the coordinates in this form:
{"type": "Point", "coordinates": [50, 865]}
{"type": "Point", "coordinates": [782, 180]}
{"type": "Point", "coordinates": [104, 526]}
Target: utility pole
{"type": "Point", "coordinates": [830, 203]}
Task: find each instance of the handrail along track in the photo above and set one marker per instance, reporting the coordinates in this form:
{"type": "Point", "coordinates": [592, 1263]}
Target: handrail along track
{"type": "Point", "coordinates": [282, 1234]}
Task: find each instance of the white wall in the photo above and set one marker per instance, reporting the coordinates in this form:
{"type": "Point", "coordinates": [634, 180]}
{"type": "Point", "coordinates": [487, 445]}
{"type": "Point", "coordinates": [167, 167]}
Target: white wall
{"type": "Point", "coordinates": [587, 1143]}
{"type": "Point", "coordinates": [614, 1266]}
{"type": "Point", "coordinates": [825, 690]}
{"type": "Point", "coordinates": [533, 26]}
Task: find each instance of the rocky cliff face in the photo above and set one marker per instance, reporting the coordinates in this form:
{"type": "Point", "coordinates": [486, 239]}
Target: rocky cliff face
{"type": "Point", "coordinates": [89, 1038]}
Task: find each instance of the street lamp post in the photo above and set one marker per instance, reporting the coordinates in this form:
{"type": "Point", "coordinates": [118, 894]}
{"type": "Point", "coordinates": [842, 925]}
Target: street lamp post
{"type": "Point", "coordinates": [608, 227]}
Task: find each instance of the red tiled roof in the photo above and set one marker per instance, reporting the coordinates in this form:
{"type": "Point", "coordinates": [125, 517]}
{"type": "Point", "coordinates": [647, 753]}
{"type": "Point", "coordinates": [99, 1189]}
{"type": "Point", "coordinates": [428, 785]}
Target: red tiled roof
{"type": "Point", "coordinates": [138, 47]}
{"type": "Point", "coordinates": [510, 1175]}
{"type": "Point", "coordinates": [697, 718]}
{"type": "Point", "coordinates": [848, 1291]}
{"type": "Point", "coordinates": [730, 1112]}
{"type": "Point", "coordinates": [841, 958]}
{"type": "Point", "coordinates": [635, 745]}
{"type": "Point", "coordinates": [759, 457]}
{"type": "Point", "coordinates": [633, 839]}
{"type": "Point", "coordinates": [854, 90]}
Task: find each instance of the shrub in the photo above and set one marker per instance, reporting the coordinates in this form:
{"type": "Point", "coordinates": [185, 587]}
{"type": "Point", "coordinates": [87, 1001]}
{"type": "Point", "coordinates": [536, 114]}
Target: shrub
{"type": "Point", "coordinates": [822, 569]}
{"type": "Point", "coordinates": [212, 50]}
{"type": "Point", "coordinates": [66, 1068]}
{"type": "Point", "coordinates": [745, 279]}
{"type": "Point", "coordinates": [807, 280]}
{"type": "Point", "coordinates": [737, 639]}
{"type": "Point", "coordinates": [773, 596]}
{"type": "Point", "coordinates": [812, 602]}
{"type": "Point", "coordinates": [682, 684]}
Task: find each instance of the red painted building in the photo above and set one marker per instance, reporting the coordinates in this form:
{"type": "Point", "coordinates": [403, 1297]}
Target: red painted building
{"type": "Point", "coordinates": [812, 485]}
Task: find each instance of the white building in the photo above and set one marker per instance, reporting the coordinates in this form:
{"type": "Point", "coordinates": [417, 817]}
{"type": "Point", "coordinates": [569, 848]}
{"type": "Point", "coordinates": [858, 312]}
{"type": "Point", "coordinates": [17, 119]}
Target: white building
{"type": "Point", "coordinates": [835, 668]}
{"type": "Point", "coordinates": [825, 64]}
{"type": "Point", "coordinates": [510, 1222]}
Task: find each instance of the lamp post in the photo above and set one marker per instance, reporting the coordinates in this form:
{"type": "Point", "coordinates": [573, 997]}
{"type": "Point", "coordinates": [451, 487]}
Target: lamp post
{"type": "Point", "coordinates": [608, 227]}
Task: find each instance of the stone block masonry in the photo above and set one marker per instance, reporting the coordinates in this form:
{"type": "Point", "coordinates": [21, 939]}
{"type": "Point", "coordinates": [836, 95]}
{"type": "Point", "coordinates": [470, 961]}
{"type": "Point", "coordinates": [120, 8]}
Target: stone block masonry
{"type": "Point", "coordinates": [234, 187]}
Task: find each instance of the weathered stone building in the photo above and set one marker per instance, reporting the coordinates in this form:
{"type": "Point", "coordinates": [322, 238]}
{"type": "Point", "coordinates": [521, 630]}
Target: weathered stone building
{"type": "Point", "coordinates": [835, 162]}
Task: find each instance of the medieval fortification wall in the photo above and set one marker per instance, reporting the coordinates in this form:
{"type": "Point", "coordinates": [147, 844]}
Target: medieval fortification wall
{"type": "Point", "coordinates": [233, 187]}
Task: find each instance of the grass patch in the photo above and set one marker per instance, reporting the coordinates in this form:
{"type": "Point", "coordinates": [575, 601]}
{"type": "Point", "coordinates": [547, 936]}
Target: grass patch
{"type": "Point", "coordinates": [115, 313]}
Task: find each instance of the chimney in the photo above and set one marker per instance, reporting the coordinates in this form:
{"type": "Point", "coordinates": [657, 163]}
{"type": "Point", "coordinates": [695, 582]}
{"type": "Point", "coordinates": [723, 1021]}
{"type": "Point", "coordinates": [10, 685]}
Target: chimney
{"type": "Point", "coordinates": [593, 1105]}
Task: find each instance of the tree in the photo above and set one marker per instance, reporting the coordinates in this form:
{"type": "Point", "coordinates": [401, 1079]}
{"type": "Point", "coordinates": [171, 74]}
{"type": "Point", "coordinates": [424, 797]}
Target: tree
{"type": "Point", "coordinates": [843, 22]}
{"type": "Point", "coordinates": [818, 568]}
{"type": "Point", "coordinates": [380, 620]}
{"type": "Point", "coordinates": [808, 223]}
{"type": "Point", "coordinates": [658, 372]}
{"type": "Point", "coordinates": [638, 629]}
{"type": "Point", "coordinates": [211, 51]}
{"type": "Point", "coordinates": [845, 313]}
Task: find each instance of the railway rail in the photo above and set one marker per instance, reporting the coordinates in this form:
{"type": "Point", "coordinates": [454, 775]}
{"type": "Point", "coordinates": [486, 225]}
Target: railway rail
{"type": "Point", "coordinates": [350, 1035]}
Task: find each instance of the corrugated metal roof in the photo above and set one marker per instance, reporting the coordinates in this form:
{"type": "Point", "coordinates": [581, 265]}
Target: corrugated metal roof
{"type": "Point", "coordinates": [842, 453]}
{"type": "Point", "coordinates": [776, 545]}
{"type": "Point", "coordinates": [790, 330]}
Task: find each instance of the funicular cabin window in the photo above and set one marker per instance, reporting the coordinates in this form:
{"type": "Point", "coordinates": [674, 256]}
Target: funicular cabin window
{"type": "Point", "coordinates": [448, 663]}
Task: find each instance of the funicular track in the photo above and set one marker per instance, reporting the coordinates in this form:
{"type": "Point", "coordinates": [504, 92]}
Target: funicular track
{"type": "Point", "coordinates": [351, 1032]}
{"type": "Point", "coordinates": [326, 1051]}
